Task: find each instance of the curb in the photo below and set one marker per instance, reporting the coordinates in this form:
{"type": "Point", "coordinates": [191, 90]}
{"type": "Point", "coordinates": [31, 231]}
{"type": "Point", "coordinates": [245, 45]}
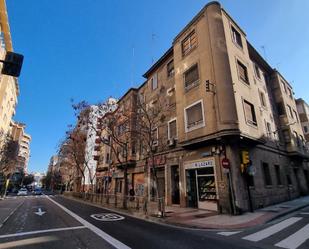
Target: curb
{"type": "Point", "coordinates": [287, 212]}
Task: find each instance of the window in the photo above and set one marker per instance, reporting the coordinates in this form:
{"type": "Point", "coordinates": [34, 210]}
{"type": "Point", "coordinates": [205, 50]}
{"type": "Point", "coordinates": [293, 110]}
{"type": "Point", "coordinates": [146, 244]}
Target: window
{"type": "Point", "coordinates": [268, 128]}
{"type": "Point", "coordinates": [278, 175]}
{"type": "Point", "coordinates": [289, 180]}
{"type": "Point", "coordinates": [305, 129]}
{"type": "Point", "coordinates": [242, 72]}
{"type": "Point", "coordinates": [286, 136]}
{"type": "Point", "coordinates": [267, 176]}
{"type": "Point", "coordinates": [281, 109]}
{"type": "Point", "coordinates": [257, 71]}
{"type": "Point", "coordinates": [283, 86]}
{"type": "Point", "coordinates": [189, 43]}
{"type": "Point", "coordinates": [262, 99]}
{"type": "Point", "coordinates": [296, 138]}
{"type": "Point", "coordinates": [194, 117]}
{"type": "Point", "coordinates": [172, 129]}
{"type": "Point", "coordinates": [290, 111]}
{"type": "Point", "coordinates": [155, 136]}
{"type": "Point", "coordinates": [191, 77]}
{"type": "Point", "coordinates": [236, 37]}
{"type": "Point", "coordinates": [170, 68]}
{"type": "Point", "coordinates": [296, 117]}
{"type": "Point", "coordinates": [290, 93]}
{"type": "Point", "coordinates": [154, 82]}
{"type": "Point", "coordinates": [249, 113]}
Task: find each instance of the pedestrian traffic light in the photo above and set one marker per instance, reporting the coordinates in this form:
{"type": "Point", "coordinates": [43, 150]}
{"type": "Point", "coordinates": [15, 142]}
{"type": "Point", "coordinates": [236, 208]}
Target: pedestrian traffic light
{"type": "Point", "coordinates": [12, 64]}
{"type": "Point", "coordinates": [245, 157]}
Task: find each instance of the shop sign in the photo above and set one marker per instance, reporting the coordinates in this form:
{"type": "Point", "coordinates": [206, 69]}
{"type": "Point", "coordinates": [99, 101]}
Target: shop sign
{"type": "Point", "coordinates": [200, 164]}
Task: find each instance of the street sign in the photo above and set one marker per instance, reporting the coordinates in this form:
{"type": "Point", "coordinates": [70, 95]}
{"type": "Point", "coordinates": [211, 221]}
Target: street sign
{"type": "Point", "coordinates": [107, 217]}
{"type": "Point", "coordinates": [225, 163]}
{"type": "Point", "coordinates": [251, 170]}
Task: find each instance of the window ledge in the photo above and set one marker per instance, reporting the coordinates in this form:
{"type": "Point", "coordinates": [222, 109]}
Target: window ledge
{"type": "Point", "coordinates": [192, 85]}
{"type": "Point", "coordinates": [194, 127]}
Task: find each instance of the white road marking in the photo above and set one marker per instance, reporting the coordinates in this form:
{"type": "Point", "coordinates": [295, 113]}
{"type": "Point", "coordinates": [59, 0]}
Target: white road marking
{"type": "Point", "coordinates": [114, 242]}
{"type": "Point", "coordinates": [107, 217]}
{"type": "Point", "coordinates": [272, 229]}
{"type": "Point", "coordinates": [40, 212]}
{"type": "Point", "coordinates": [305, 213]}
{"type": "Point", "coordinates": [40, 231]}
{"type": "Point", "coordinates": [11, 214]}
{"type": "Point", "coordinates": [26, 242]}
{"type": "Point", "coordinates": [228, 233]}
{"type": "Point", "coordinates": [296, 239]}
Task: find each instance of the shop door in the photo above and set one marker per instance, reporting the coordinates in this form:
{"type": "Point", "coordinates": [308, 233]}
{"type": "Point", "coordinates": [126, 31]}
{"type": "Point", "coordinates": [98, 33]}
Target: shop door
{"type": "Point", "coordinates": [206, 185]}
{"type": "Point", "coordinates": [175, 184]}
{"type": "Point", "coordinates": [191, 189]}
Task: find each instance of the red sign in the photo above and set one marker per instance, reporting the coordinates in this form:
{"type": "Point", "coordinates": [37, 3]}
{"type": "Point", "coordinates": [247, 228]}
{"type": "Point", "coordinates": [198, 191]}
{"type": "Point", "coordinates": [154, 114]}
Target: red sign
{"type": "Point", "coordinates": [225, 163]}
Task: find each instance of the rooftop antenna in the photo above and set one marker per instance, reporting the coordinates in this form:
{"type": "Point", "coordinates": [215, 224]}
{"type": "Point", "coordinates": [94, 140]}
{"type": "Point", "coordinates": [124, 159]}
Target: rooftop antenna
{"type": "Point", "coordinates": [264, 52]}
{"type": "Point", "coordinates": [153, 36]}
{"type": "Point", "coordinates": [133, 65]}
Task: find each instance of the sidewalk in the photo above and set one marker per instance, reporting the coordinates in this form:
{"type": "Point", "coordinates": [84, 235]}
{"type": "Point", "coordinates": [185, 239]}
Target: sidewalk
{"type": "Point", "coordinates": [203, 219]}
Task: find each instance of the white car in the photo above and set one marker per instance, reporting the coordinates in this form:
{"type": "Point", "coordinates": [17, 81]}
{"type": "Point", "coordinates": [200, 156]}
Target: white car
{"type": "Point", "coordinates": [22, 191]}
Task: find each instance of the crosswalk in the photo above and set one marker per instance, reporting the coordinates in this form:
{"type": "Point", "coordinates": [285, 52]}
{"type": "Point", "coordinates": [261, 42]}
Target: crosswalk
{"type": "Point", "coordinates": [292, 233]}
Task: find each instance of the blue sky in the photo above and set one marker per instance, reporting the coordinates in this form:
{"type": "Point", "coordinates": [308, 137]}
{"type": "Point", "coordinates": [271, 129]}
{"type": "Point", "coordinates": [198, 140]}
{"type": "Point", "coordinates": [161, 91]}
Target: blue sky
{"type": "Point", "coordinates": [83, 49]}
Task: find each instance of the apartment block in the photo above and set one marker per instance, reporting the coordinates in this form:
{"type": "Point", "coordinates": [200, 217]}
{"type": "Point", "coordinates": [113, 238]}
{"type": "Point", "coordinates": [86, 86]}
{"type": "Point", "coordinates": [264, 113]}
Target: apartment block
{"type": "Point", "coordinates": [303, 112]}
{"type": "Point", "coordinates": [18, 134]}
{"type": "Point", "coordinates": [229, 137]}
{"type": "Point", "coordinates": [9, 89]}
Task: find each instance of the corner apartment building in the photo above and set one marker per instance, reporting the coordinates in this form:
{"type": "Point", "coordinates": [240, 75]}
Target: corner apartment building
{"type": "Point", "coordinates": [303, 112]}
{"type": "Point", "coordinates": [223, 102]}
{"type": "Point", "coordinates": [18, 134]}
{"type": "Point", "coordinates": [9, 89]}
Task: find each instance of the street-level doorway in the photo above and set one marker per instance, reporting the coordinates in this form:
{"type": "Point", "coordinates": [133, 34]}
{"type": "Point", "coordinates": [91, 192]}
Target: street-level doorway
{"type": "Point", "coordinates": [201, 185]}
{"type": "Point", "coordinates": [175, 184]}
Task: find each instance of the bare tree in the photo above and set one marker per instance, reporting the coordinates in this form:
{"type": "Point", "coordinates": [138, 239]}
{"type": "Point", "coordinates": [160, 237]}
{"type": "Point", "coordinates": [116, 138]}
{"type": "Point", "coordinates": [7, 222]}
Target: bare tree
{"type": "Point", "coordinates": [149, 118]}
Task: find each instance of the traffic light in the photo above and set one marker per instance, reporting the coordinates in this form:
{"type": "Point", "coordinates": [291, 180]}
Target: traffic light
{"type": "Point", "coordinates": [245, 157]}
{"type": "Point", "coordinates": [207, 86]}
{"type": "Point", "coordinates": [12, 64]}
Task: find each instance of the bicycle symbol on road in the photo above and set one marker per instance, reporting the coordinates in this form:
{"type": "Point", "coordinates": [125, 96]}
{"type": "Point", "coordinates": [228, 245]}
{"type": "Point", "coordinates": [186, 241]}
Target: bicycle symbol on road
{"type": "Point", "coordinates": [107, 217]}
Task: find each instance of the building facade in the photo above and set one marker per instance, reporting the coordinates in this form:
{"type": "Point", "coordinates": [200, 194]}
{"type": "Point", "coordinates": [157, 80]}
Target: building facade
{"type": "Point", "coordinates": [229, 137]}
{"type": "Point", "coordinates": [9, 89]}
{"type": "Point", "coordinates": [303, 112]}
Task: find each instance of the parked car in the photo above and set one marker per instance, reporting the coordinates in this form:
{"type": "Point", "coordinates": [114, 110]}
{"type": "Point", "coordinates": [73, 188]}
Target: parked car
{"type": "Point", "coordinates": [22, 191]}
{"type": "Point", "coordinates": [37, 191]}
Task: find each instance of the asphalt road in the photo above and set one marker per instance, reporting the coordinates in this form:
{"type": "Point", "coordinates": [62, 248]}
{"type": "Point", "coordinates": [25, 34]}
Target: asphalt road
{"type": "Point", "coordinates": [56, 222]}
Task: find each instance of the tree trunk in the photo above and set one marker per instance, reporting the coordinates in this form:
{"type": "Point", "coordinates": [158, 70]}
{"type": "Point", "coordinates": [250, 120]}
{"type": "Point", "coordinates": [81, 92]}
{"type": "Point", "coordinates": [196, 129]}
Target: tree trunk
{"type": "Point", "coordinates": [125, 192]}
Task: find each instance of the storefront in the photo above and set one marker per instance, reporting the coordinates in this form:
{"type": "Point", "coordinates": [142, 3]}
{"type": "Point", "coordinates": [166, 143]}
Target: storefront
{"type": "Point", "coordinates": [201, 185]}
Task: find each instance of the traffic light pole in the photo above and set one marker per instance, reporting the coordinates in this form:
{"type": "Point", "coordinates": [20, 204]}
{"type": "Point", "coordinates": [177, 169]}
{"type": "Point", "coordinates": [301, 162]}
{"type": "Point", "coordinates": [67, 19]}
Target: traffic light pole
{"type": "Point", "coordinates": [249, 193]}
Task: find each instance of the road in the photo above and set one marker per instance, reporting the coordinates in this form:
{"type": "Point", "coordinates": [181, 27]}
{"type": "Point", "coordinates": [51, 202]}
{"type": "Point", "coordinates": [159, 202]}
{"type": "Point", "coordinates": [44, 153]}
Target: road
{"type": "Point", "coordinates": [56, 222]}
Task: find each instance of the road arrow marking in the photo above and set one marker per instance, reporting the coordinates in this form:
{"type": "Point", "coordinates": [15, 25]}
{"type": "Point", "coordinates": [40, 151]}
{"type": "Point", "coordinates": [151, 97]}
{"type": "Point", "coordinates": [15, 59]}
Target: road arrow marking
{"type": "Point", "coordinates": [39, 212]}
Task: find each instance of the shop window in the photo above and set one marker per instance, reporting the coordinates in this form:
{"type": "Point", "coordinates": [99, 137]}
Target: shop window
{"type": "Point", "coordinates": [172, 129]}
{"type": "Point", "coordinates": [278, 175]}
{"type": "Point", "coordinates": [266, 172]}
{"type": "Point", "coordinates": [189, 43]}
{"type": "Point", "coordinates": [194, 117]}
{"type": "Point", "coordinates": [191, 77]}
{"type": "Point", "coordinates": [236, 37]}
{"type": "Point", "coordinates": [249, 113]}
{"type": "Point", "coordinates": [170, 68]}
{"type": "Point", "coordinates": [242, 72]}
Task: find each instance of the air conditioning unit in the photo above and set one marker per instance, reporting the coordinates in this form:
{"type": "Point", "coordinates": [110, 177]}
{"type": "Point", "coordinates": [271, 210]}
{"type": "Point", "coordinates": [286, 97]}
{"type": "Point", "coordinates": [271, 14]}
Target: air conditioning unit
{"type": "Point", "coordinates": [171, 142]}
